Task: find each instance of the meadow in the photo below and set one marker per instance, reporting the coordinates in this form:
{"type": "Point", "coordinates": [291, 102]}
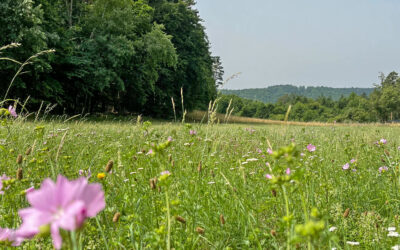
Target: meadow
{"type": "Point", "coordinates": [208, 186]}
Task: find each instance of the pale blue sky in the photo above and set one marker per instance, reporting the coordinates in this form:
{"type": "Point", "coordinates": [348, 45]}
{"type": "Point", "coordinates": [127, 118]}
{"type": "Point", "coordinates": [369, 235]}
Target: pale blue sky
{"type": "Point", "coordinates": [337, 43]}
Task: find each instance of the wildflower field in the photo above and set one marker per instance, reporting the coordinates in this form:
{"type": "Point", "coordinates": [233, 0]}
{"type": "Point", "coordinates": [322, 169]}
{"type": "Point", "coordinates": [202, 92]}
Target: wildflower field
{"type": "Point", "coordinates": [128, 185]}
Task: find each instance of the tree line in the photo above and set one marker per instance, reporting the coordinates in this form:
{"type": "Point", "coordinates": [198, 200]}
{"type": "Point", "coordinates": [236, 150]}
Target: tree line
{"type": "Point", "coordinates": [123, 55]}
{"type": "Point", "coordinates": [382, 105]}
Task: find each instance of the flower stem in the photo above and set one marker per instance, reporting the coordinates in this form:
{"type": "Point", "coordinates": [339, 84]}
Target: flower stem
{"type": "Point", "coordinates": [287, 216]}
{"type": "Point", "coordinates": [73, 239]}
{"type": "Point", "coordinates": [168, 221]}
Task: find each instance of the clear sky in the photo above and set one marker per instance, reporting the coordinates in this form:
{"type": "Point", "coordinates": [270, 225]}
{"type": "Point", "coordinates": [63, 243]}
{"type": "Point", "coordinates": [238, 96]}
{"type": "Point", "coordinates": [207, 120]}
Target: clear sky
{"type": "Point", "coordinates": [336, 43]}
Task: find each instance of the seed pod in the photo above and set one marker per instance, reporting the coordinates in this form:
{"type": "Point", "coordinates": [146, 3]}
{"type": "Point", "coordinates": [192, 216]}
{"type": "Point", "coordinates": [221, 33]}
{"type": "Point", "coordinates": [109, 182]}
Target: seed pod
{"type": "Point", "coordinates": [19, 159]}
{"type": "Point", "coordinates": [116, 217]}
{"type": "Point", "coordinates": [19, 174]}
{"type": "Point", "coordinates": [200, 230]}
{"type": "Point", "coordinates": [273, 233]}
{"type": "Point", "coordinates": [222, 219]}
{"type": "Point", "coordinates": [28, 151]}
{"type": "Point", "coordinates": [273, 192]}
{"type": "Point", "coordinates": [109, 166]}
{"type": "Point", "coordinates": [153, 183]}
{"type": "Point", "coordinates": [180, 219]}
{"type": "Point", "coordinates": [199, 167]}
{"type": "Point", "coordinates": [346, 213]}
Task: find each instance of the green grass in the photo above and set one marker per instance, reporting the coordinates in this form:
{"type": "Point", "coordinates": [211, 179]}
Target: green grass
{"type": "Point", "coordinates": [257, 213]}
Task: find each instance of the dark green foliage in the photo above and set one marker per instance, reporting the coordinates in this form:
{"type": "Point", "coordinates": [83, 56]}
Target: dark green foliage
{"type": "Point", "coordinates": [111, 55]}
{"type": "Point", "coordinates": [273, 93]}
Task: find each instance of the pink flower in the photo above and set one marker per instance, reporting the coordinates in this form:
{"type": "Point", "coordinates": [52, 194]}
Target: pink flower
{"type": "Point", "coordinates": [29, 190]}
{"type": "Point", "coordinates": [353, 161]}
{"type": "Point", "coordinates": [259, 150]}
{"type": "Point", "coordinates": [170, 139]}
{"type": "Point", "coordinates": [166, 172]}
{"type": "Point", "coordinates": [64, 204]}
{"type": "Point", "coordinates": [12, 111]}
{"type": "Point", "coordinates": [268, 176]}
{"type": "Point", "coordinates": [288, 171]}
{"type": "Point", "coordinates": [383, 169]}
{"type": "Point", "coordinates": [269, 151]}
{"type": "Point", "coordinates": [383, 141]}
{"type": "Point", "coordinates": [302, 154]}
{"type": "Point", "coordinates": [311, 148]}
{"type": "Point", "coordinates": [3, 178]}
{"type": "Point", "coordinates": [10, 236]}
{"type": "Point", "coordinates": [346, 166]}
{"type": "Point", "coordinates": [193, 132]}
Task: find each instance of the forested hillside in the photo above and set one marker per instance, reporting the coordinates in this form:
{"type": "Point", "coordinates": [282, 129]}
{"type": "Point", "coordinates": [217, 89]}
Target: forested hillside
{"type": "Point", "coordinates": [110, 55]}
{"type": "Point", "coordinates": [273, 93]}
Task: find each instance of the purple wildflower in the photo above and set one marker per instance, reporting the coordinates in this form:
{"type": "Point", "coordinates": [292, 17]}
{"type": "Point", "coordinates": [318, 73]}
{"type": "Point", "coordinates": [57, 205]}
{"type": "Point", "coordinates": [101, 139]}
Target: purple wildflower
{"type": "Point", "coordinates": [346, 166]}
{"type": "Point", "coordinates": [269, 151]}
{"type": "Point", "coordinates": [383, 169]}
{"type": "Point", "coordinates": [288, 171]}
{"type": "Point", "coordinates": [12, 111]}
{"type": "Point", "coordinates": [311, 148]}
{"type": "Point", "coordinates": [170, 139]}
{"type": "Point", "coordinates": [259, 150]}
{"type": "Point", "coordinates": [64, 204]}
{"type": "Point", "coordinates": [383, 141]}
{"type": "Point", "coordinates": [268, 176]}
{"type": "Point", "coordinates": [353, 161]}
{"type": "Point", "coordinates": [193, 132]}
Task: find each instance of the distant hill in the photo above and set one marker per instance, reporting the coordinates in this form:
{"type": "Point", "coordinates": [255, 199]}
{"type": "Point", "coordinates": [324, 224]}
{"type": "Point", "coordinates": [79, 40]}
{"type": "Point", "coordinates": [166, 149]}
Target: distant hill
{"type": "Point", "coordinates": [273, 93]}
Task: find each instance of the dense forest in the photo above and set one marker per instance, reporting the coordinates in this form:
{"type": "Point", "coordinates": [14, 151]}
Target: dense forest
{"type": "Point", "coordinates": [272, 94]}
{"type": "Point", "coordinates": [382, 105]}
{"type": "Point", "coordinates": [110, 55]}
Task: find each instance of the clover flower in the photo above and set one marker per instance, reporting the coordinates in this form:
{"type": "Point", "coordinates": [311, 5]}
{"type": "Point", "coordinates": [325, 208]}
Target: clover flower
{"type": "Point", "coordinates": [61, 205]}
{"type": "Point", "coordinates": [383, 169]}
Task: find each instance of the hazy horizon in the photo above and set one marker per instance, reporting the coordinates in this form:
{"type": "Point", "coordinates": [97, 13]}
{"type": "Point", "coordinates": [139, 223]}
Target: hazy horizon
{"type": "Point", "coordinates": [309, 43]}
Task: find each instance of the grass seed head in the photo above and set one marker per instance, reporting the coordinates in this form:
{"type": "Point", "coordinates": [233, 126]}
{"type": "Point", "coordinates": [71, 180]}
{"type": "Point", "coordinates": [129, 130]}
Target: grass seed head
{"type": "Point", "coordinates": [200, 230]}
{"type": "Point", "coordinates": [199, 167]}
{"type": "Point", "coordinates": [109, 166]}
{"type": "Point", "coordinates": [28, 151]}
{"type": "Point", "coordinates": [153, 183]}
{"type": "Point", "coordinates": [346, 213]}
{"type": "Point", "coordinates": [222, 219]}
{"type": "Point", "coordinates": [180, 219]}
{"type": "Point", "coordinates": [19, 174]}
{"type": "Point", "coordinates": [19, 159]}
{"type": "Point", "coordinates": [116, 217]}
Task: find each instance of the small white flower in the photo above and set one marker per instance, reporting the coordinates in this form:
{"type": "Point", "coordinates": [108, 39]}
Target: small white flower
{"type": "Point", "coordinates": [132, 173]}
{"type": "Point", "coordinates": [211, 182]}
{"type": "Point", "coordinates": [391, 229]}
{"type": "Point", "coordinates": [126, 180]}
{"type": "Point", "coordinates": [393, 234]}
{"type": "Point", "coordinates": [353, 243]}
{"type": "Point", "coordinates": [332, 229]}
{"type": "Point", "coordinates": [232, 168]}
{"type": "Point", "coordinates": [140, 169]}
{"type": "Point", "coordinates": [397, 247]}
{"type": "Point", "coordinates": [244, 163]}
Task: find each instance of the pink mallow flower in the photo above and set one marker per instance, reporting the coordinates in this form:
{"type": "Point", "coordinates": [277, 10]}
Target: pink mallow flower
{"type": "Point", "coordinates": [346, 166]}
{"type": "Point", "coordinates": [383, 141]}
{"type": "Point", "coordinates": [193, 132]}
{"type": "Point", "coordinates": [9, 235]}
{"type": "Point", "coordinates": [12, 111]}
{"type": "Point", "coordinates": [311, 148]}
{"type": "Point", "coordinates": [268, 176]}
{"type": "Point", "coordinates": [64, 204]}
{"type": "Point", "coordinates": [288, 171]}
